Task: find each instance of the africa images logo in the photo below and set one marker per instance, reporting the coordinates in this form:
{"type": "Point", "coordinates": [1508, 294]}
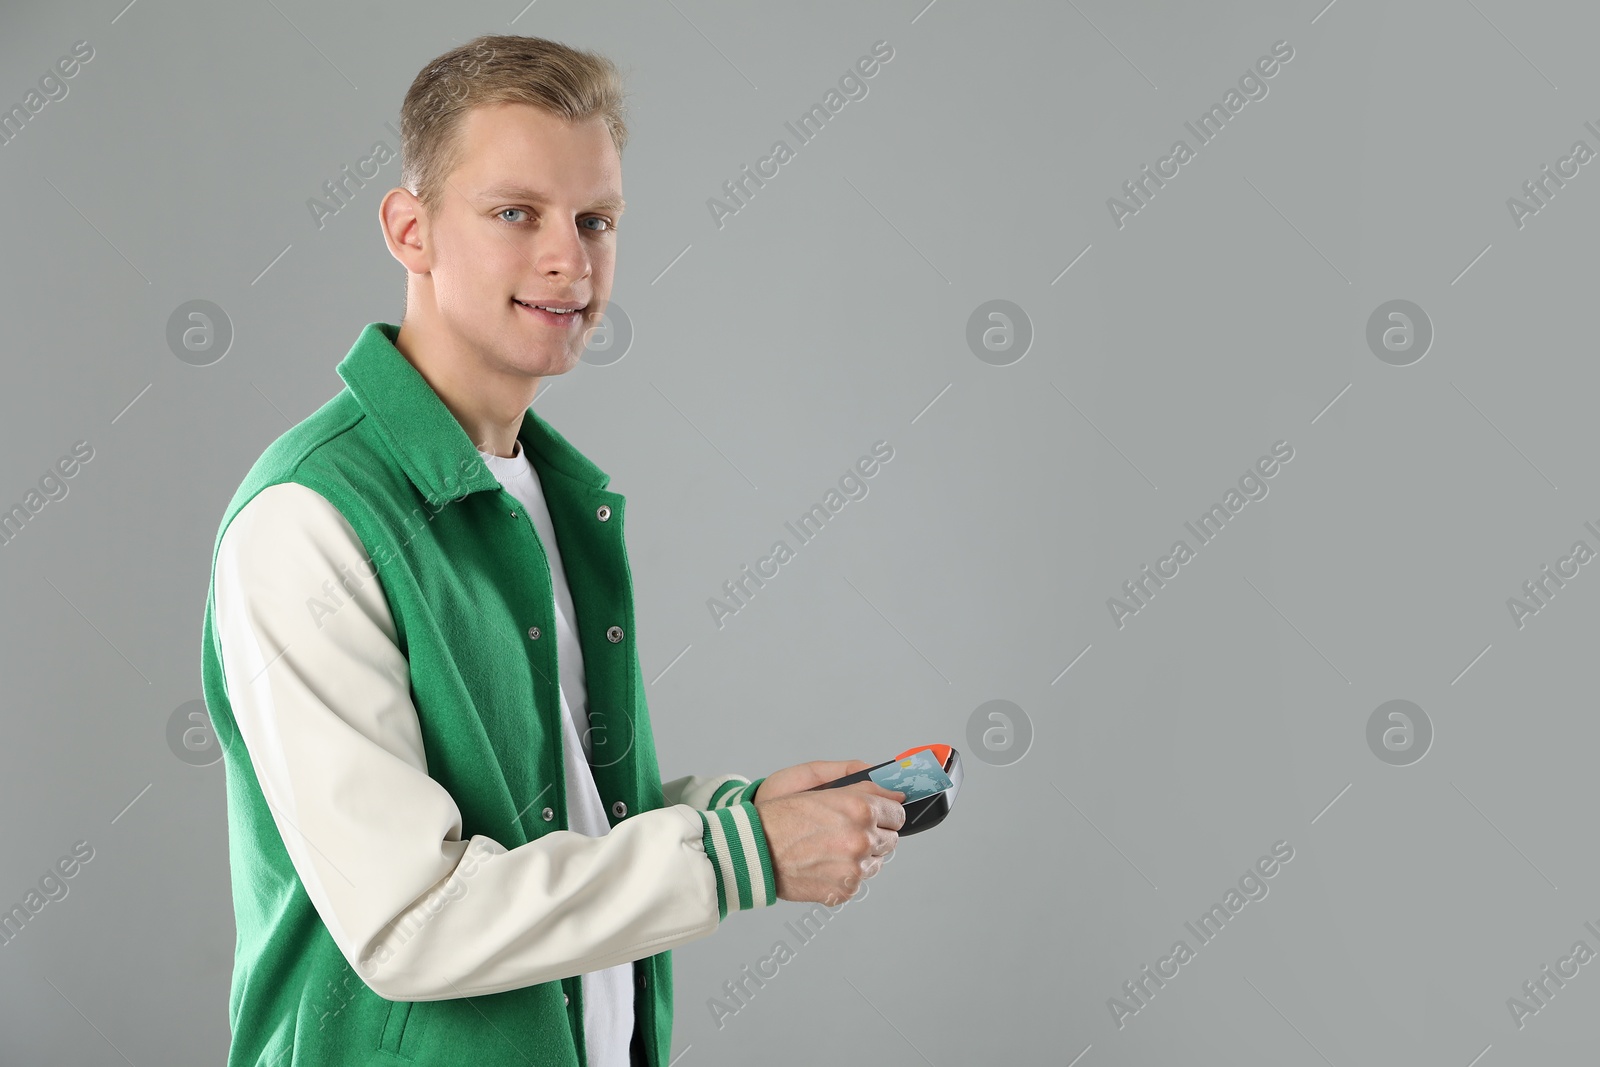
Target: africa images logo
{"type": "Point", "coordinates": [1252, 86]}
{"type": "Point", "coordinates": [852, 486]}
{"type": "Point", "coordinates": [1252, 487]}
{"type": "Point", "coordinates": [1252, 886]}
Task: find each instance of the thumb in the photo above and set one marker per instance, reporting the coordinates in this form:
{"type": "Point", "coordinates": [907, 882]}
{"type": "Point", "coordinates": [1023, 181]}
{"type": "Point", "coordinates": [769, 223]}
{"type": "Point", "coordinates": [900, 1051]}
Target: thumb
{"type": "Point", "coordinates": [830, 769]}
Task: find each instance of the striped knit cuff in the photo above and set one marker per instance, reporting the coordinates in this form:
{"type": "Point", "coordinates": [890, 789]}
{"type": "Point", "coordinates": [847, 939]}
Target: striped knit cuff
{"type": "Point", "coordinates": [737, 848]}
{"type": "Point", "coordinates": [733, 791]}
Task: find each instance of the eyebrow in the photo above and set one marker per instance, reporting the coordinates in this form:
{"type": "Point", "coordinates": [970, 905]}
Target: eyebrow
{"type": "Point", "coordinates": [517, 192]}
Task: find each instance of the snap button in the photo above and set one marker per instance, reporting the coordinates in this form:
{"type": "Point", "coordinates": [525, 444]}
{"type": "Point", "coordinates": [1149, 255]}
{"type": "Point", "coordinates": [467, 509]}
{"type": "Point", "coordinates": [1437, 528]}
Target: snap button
{"type": "Point", "coordinates": [513, 514]}
{"type": "Point", "coordinates": [619, 809]}
{"type": "Point", "coordinates": [603, 512]}
{"type": "Point", "coordinates": [614, 634]}
{"type": "Point", "coordinates": [565, 999]}
{"type": "Point", "coordinates": [533, 633]}
{"type": "Point", "coordinates": [641, 981]}
{"type": "Point", "coordinates": [549, 813]}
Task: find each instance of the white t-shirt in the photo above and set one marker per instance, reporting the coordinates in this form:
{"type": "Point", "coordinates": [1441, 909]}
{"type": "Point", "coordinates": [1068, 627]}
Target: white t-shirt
{"type": "Point", "coordinates": [608, 993]}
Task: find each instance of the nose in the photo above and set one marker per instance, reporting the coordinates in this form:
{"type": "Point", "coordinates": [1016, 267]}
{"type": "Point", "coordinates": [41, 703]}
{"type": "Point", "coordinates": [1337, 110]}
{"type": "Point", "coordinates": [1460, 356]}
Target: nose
{"type": "Point", "coordinates": [559, 250]}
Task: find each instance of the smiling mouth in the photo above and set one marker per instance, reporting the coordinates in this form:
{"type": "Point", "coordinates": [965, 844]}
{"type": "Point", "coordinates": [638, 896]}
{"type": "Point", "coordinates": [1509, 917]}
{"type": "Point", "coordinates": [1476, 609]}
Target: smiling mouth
{"type": "Point", "coordinates": [552, 314]}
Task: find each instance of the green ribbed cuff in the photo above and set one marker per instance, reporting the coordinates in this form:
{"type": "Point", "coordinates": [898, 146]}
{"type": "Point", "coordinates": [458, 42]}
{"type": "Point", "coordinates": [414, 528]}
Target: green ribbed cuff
{"type": "Point", "coordinates": [737, 848]}
{"type": "Point", "coordinates": [727, 793]}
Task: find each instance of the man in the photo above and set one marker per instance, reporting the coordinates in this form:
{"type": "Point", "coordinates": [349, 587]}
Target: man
{"type": "Point", "coordinates": [449, 837]}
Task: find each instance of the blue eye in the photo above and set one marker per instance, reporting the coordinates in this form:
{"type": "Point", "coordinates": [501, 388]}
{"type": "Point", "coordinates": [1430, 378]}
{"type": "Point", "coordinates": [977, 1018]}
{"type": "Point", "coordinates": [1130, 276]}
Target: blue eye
{"type": "Point", "coordinates": [609, 226]}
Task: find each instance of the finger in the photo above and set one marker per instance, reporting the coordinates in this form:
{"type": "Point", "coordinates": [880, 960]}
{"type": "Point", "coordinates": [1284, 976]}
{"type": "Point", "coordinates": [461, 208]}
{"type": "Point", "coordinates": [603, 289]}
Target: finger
{"type": "Point", "coordinates": [890, 813]}
{"type": "Point", "coordinates": [886, 806]}
{"type": "Point", "coordinates": [867, 785]}
{"type": "Point", "coordinates": [831, 769]}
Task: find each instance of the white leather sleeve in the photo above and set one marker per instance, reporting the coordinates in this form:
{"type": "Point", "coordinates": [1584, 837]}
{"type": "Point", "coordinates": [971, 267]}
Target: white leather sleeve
{"type": "Point", "coordinates": [710, 791]}
{"type": "Point", "coordinates": [323, 705]}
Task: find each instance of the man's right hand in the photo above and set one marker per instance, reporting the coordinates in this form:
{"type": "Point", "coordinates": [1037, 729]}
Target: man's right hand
{"type": "Point", "coordinates": [824, 843]}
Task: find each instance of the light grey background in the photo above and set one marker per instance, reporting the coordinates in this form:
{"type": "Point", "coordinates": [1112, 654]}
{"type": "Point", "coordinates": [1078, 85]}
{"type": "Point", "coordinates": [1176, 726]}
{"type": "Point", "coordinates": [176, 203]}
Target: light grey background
{"type": "Point", "coordinates": [831, 312]}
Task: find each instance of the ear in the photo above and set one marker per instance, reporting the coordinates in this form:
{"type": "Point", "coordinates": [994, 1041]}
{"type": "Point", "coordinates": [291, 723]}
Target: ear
{"type": "Point", "coordinates": [405, 224]}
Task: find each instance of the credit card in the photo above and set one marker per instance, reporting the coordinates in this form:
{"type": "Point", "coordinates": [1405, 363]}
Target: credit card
{"type": "Point", "coordinates": [918, 775]}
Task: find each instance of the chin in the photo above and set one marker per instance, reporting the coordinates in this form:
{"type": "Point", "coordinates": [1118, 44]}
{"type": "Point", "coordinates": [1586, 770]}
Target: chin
{"type": "Point", "coordinates": [556, 365]}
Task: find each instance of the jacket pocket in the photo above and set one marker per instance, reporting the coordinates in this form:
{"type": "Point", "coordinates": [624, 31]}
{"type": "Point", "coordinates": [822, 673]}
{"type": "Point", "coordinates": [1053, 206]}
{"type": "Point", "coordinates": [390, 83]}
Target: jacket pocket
{"type": "Point", "coordinates": [396, 1026]}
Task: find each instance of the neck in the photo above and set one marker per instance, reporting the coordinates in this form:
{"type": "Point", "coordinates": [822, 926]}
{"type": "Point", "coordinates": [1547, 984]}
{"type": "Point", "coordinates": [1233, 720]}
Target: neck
{"type": "Point", "coordinates": [488, 404]}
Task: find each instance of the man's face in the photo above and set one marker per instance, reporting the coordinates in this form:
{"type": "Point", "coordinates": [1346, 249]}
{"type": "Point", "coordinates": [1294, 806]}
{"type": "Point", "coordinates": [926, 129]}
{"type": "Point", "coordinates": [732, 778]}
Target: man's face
{"type": "Point", "coordinates": [527, 216]}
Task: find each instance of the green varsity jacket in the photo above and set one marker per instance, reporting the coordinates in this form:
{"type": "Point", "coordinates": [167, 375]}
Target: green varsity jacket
{"type": "Point", "coordinates": [379, 664]}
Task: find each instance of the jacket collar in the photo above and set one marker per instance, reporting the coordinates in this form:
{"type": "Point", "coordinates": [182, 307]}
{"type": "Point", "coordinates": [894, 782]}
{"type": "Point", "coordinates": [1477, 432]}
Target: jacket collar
{"type": "Point", "coordinates": [430, 445]}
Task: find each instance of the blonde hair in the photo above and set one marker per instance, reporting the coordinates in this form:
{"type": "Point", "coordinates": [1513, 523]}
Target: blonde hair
{"type": "Point", "coordinates": [493, 69]}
